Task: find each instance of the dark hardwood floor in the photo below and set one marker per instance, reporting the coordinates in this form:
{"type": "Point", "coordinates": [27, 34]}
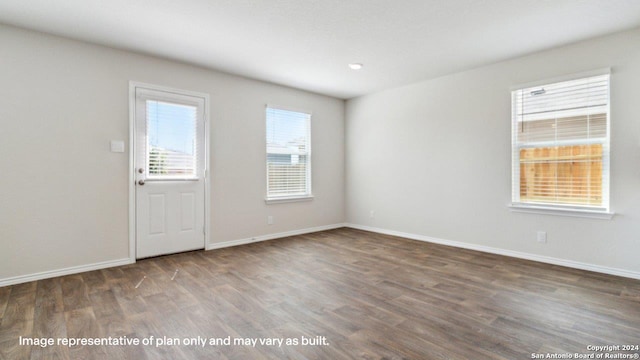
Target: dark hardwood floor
{"type": "Point", "coordinates": [372, 296]}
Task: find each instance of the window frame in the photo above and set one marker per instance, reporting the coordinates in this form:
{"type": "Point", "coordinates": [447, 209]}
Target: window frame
{"type": "Point", "coordinates": [573, 210]}
{"type": "Point", "coordinates": [286, 198]}
{"type": "Point", "coordinates": [173, 100]}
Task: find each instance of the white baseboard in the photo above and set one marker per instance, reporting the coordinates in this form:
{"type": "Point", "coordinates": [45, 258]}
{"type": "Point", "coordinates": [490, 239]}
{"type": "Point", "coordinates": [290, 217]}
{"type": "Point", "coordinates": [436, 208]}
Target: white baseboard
{"type": "Point", "coordinates": [106, 264]}
{"type": "Point", "coordinates": [498, 251]}
{"type": "Point", "coordinates": [61, 272]}
{"type": "Point", "coordinates": [516, 254]}
{"type": "Point", "coordinates": [220, 245]}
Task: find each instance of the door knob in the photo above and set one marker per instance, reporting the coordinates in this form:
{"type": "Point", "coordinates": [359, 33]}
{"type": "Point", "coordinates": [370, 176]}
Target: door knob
{"type": "Point", "coordinates": [141, 170]}
{"type": "Point", "coordinates": [141, 182]}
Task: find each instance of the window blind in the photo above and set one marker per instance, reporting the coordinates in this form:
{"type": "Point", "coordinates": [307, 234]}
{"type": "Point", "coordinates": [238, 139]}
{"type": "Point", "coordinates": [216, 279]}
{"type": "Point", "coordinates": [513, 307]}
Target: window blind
{"type": "Point", "coordinates": [288, 153]}
{"type": "Point", "coordinates": [171, 140]}
{"type": "Point", "coordinates": [561, 144]}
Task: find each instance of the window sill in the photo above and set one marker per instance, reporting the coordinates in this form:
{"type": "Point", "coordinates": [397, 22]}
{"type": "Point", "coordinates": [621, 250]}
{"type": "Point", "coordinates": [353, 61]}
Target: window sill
{"type": "Point", "coordinates": [548, 210]}
{"type": "Point", "coordinates": [288, 199]}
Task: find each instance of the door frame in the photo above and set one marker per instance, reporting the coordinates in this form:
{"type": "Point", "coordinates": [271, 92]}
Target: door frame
{"type": "Point", "coordinates": [133, 85]}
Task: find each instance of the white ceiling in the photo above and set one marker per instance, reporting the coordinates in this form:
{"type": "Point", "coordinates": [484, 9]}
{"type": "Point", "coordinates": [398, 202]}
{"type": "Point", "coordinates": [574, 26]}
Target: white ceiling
{"type": "Point", "coordinates": [307, 44]}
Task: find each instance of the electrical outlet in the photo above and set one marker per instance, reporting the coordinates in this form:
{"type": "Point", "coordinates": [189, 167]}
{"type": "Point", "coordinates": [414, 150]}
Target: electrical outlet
{"type": "Point", "coordinates": [542, 236]}
{"type": "Point", "coordinates": [372, 214]}
{"type": "Point", "coordinates": [270, 220]}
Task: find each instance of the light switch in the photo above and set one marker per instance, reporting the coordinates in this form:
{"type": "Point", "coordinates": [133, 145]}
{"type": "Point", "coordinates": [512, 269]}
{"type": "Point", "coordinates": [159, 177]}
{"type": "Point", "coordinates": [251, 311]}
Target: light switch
{"type": "Point", "coordinates": [117, 146]}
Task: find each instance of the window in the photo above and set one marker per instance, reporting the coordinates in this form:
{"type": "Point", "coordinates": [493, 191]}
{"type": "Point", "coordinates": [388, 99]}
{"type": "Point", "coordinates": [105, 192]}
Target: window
{"type": "Point", "coordinates": [288, 154]}
{"type": "Point", "coordinates": [171, 141]}
{"type": "Point", "coordinates": [560, 135]}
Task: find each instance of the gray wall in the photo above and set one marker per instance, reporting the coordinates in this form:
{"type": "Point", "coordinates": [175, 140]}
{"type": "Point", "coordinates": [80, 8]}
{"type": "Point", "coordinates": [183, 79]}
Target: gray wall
{"type": "Point", "coordinates": [431, 159]}
{"type": "Point", "coordinates": [434, 158]}
{"type": "Point", "coordinates": [64, 195]}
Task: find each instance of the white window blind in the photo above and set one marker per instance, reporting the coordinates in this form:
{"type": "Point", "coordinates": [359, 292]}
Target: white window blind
{"type": "Point", "coordinates": [171, 140]}
{"type": "Point", "coordinates": [288, 154]}
{"type": "Point", "coordinates": [560, 144]}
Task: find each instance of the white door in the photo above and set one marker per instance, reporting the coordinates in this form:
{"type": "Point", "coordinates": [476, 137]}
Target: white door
{"type": "Point", "coordinates": [169, 172]}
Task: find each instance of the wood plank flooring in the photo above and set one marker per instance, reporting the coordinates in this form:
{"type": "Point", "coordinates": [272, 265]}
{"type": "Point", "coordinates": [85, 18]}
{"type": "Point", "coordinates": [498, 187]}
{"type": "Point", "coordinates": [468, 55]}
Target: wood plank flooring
{"type": "Point", "coordinates": [372, 296]}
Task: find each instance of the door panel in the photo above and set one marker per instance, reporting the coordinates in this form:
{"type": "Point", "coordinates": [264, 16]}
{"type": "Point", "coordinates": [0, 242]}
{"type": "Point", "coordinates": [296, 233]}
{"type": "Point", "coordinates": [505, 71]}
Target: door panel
{"type": "Point", "coordinates": [188, 205]}
{"type": "Point", "coordinates": [170, 169]}
{"type": "Point", "coordinates": [157, 211]}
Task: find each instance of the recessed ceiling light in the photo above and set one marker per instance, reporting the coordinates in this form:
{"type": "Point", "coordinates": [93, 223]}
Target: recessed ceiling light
{"type": "Point", "coordinates": [355, 66]}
